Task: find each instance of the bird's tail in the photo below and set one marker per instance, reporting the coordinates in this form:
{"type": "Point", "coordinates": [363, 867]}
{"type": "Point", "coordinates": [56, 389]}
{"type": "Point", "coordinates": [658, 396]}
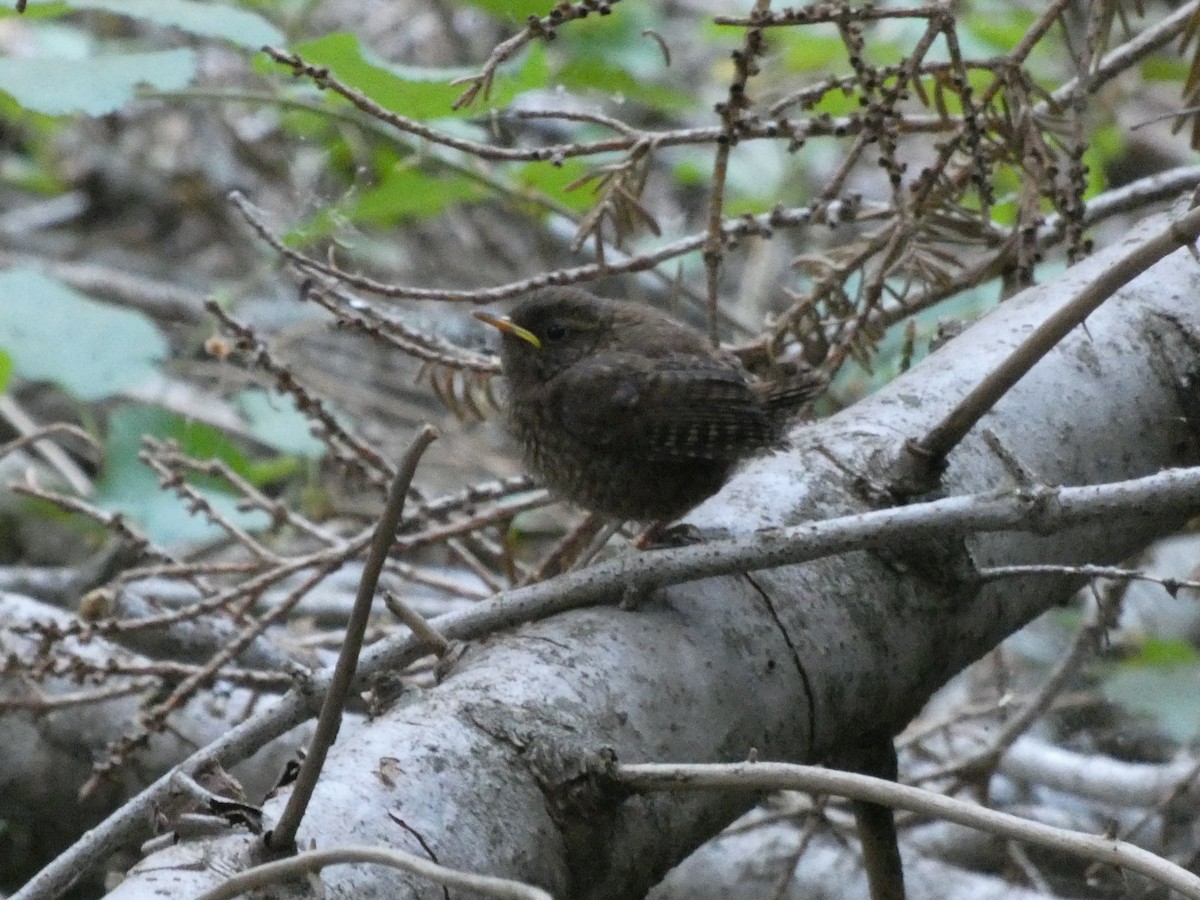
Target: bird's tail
{"type": "Point", "coordinates": [791, 394]}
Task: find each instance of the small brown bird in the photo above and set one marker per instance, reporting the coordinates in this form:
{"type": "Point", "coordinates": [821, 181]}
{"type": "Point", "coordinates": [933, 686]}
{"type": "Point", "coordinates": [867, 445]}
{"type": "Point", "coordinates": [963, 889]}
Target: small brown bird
{"type": "Point", "coordinates": [627, 412]}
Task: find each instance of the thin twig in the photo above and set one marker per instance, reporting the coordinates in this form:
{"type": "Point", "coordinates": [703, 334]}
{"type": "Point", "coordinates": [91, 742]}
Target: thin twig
{"type": "Point", "coordinates": [1181, 787]}
{"type": "Point", "coordinates": [560, 558]}
{"type": "Point", "coordinates": [116, 522]}
{"type": "Point", "coordinates": [1115, 573]}
{"type": "Point", "coordinates": [782, 776]}
{"type": "Point", "coordinates": [364, 455]}
{"type": "Point", "coordinates": [165, 460]}
{"type": "Point", "coordinates": [42, 703]}
{"type": "Point", "coordinates": [152, 719]}
{"type": "Point", "coordinates": [824, 12]}
{"type": "Point", "coordinates": [417, 623]}
{"type": "Point", "coordinates": [502, 511]}
{"type": "Point", "coordinates": [731, 112]}
{"type": "Point", "coordinates": [556, 153]}
{"type": "Point", "coordinates": [1126, 199]}
{"type": "Point", "coordinates": [273, 873]}
{"type": "Point", "coordinates": [1086, 639]}
{"type": "Point", "coordinates": [283, 836]}
{"type": "Point", "coordinates": [1124, 57]}
{"type": "Point", "coordinates": [480, 85]}
{"type": "Point", "coordinates": [31, 432]}
{"type": "Point", "coordinates": [46, 431]}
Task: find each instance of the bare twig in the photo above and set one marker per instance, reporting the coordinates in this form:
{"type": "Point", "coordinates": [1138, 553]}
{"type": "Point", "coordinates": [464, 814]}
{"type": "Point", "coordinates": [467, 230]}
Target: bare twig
{"type": "Point", "coordinates": [820, 12]}
{"type": "Point", "coordinates": [46, 431]}
{"type": "Point", "coordinates": [274, 872]}
{"type": "Point", "coordinates": [166, 462]}
{"type": "Point", "coordinates": [116, 522]}
{"type": "Point", "coordinates": [417, 623]}
{"type": "Point", "coordinates": [42, 703]}
{"type": "Point", "coordinates": [1171, 585]}
{"type": "Point", "coordinates": [481, 84]}
{"type": "Point", "coordinates": [283, 836]}
{"type": "Point", "coordinates": [365, 456]}
{"type": "Point", "coordinates": [1122, 58]}
{"type": "Point", "coordinates": [151, 720]}
{"type": "Point", "coordinates": [32, 433]}
{"type": "Point", "coordinates": [1086, 639]}
{"type": "Point", "coordinates": [782, 776]}
{"type": "Point", "coordinates": [745, 63]}
{"type": "Point", "coordinates": [502, 511]}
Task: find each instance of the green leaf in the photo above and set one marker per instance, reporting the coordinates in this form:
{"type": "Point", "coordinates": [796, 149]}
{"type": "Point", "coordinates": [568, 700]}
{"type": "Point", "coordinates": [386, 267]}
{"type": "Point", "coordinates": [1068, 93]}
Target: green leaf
{"type": "Point", "coordinates": [1171, 694]}
{"type": "Point", "coordinates": [90, 349]}
{"type": "Point", "coordinates": [129, 486]}
{"type": "Point", "coordinates": [1162, 652]}
{"type": "Point", "coordinates": [807, 50]}
{"type": "Point", "coordinates": [999, 29]}
{"type": "Point", "coordinates": [6, 370]}
{"type": "Point", "coordinates": [406, 189]}
{"type": "Point", "coordinates": [210, 20]}
{"type": "Point", "coordinates": [837, 103]}
{"type": "Point", "coordinates": [1159, 68]}
{"type": "Point", "coordinates": [692, 170]}
{"type": "Point", "coordinates": [96, 86]}
{"type": "Point", "coordinates": [274, 470]}
{"type": "Point", "coordinates": [37, 9]}
{"type": "Point", "coordinates": [36, 172]}
{"type": "Point", "coordinates": [757, 178]}
{"type": "Point", "coordinates": [406, 192]}
{"type": "Point", "coordinates": [1097, 180]}
{"type": "Point", "coordinates": [1006, 183]}
{"type": "Point", "coordinates": [413, 91]}
{"type": "Point", "coordinates": [514, 10]}
{"type": "Point", "coordinates": [274, 420]}
{"type": "Point", "coordinates": [1108, 143]}
{"type": "Point", "coordinates": [553, 181]}
{"type": "Point", "coordinates": [598, 74]}
{"type": "Point", "coordinates": [196, 439]}
{"type": "Point", "coordinates": [617, 57]}
{"type": "Point", "coordinates": [618, 37]}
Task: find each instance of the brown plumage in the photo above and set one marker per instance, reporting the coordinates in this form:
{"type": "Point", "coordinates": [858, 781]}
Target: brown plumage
{"type": "Point", "coordinates": [627, 412]}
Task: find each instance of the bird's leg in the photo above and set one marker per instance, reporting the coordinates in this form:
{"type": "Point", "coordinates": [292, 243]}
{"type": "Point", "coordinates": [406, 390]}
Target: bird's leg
{"type": "Point", "coordinates": [565, 555]}
{"type": "Point", "coordinates": [661, 534]}
{"type": "Point", "coordinates": [597, 544]}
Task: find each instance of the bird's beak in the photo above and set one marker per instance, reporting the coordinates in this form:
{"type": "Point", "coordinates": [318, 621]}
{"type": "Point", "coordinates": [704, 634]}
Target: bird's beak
{"type": "Point", "coordinates": [508, 327]}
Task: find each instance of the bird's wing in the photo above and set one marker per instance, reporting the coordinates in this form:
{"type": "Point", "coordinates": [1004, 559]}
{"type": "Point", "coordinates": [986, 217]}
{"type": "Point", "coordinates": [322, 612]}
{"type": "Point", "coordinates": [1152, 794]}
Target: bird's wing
{"type": "Point", "coordinates": [660, 409]}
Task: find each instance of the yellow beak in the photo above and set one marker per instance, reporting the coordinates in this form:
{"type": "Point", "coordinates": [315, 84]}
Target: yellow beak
{"type": "Point", "coordinates": [508, 327]}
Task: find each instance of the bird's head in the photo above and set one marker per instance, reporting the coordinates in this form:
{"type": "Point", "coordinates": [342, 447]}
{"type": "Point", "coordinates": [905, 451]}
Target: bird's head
{"type": "Point", "coordinates": [550, 331]}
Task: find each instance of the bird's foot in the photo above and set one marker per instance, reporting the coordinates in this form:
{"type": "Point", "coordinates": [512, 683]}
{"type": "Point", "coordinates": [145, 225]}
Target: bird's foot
{"type": "Point", "coordinates": [660, 536]}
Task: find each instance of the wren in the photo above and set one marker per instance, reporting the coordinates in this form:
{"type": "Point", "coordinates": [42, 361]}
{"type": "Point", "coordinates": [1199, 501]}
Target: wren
{"type": "Point", "coordinates": [628, 413]}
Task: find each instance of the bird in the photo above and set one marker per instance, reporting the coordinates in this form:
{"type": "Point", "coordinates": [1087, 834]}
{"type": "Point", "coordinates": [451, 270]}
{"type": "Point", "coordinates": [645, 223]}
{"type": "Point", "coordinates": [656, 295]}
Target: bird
{"type": "Point", "coordinates": [627, 412]}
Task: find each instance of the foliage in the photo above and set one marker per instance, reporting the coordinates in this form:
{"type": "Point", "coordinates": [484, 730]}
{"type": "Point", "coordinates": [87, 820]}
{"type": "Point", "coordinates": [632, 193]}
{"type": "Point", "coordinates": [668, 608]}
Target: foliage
{"type": "Point", "coordinates": [128, 486]}
{"type": "Point", "coordinates": [108, 348]}
{"type": "Point", "coordinates": [1161, 680]}
{"type": "Point", "coordinates": [74, 72]}
{"type": "Point", "coordinates": [99, 85]}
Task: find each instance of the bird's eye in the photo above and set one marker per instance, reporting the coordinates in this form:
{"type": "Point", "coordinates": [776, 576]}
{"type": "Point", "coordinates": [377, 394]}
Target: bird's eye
{"type": "Point", "coordinates": [555, 331]}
